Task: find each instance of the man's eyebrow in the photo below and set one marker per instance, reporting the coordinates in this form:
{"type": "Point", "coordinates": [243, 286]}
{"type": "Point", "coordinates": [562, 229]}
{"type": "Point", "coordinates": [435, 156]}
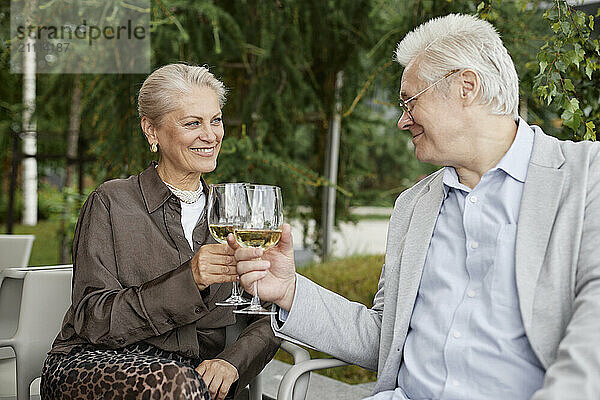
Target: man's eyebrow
{"type": "Point", "coordinates": [404, 95]}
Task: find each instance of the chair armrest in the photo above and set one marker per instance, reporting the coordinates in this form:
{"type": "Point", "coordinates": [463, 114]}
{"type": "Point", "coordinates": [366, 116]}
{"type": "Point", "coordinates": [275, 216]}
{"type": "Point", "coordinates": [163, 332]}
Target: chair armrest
{"type": "Point", "coordinates": [20, 272]}
{"type": "Point", "coordinates": [299, 386]}
{"type": "Point", "coordinates": [294, 384]}
{"type": "Point", "coordinates": [295, 351]}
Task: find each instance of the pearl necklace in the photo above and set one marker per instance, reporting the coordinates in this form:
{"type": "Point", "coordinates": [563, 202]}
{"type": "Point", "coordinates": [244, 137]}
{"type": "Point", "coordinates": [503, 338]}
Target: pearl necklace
{"type": "Point", "coordinates": [187, 196]}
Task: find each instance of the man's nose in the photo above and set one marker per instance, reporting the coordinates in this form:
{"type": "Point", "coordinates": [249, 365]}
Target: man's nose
{"type": "Point", "coordinates": [405, 121]}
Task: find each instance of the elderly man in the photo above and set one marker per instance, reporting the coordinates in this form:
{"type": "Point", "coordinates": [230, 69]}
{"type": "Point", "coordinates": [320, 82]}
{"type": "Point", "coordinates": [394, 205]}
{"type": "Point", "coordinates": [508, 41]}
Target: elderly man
{"type": "Point", "coordinates": [491, 282]}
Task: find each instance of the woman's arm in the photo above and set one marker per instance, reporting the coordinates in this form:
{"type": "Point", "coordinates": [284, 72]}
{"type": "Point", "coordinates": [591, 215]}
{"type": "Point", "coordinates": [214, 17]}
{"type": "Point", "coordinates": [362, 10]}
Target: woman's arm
{"type": "Point", "coordinates": [109, 314]}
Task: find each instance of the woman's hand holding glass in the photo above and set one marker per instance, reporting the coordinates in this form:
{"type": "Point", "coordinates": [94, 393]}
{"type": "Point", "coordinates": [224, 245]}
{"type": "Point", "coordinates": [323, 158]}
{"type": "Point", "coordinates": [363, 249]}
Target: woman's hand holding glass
{"type": "Point", "coordinates": [213, 263]}
{"type": "Point", "coordinates": [274, 269]}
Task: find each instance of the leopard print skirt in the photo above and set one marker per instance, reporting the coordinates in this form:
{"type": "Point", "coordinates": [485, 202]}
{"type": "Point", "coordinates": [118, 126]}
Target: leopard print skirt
{"type": "Point", "coordinates": [138, 371]}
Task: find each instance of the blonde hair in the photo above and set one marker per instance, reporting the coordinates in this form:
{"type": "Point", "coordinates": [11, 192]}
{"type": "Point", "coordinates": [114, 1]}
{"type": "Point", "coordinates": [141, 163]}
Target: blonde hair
{"type": "Point", "coordinates": [458, 41]}
{"type": "Point", "coordinates": [165, 88]}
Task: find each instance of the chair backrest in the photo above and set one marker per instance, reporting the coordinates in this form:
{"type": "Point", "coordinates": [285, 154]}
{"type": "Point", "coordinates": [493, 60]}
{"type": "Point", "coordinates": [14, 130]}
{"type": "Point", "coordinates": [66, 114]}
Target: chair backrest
{"type": "Point", "coordinates": [15, 250]}
{"type": "Point", "coordinates": [45, 299]}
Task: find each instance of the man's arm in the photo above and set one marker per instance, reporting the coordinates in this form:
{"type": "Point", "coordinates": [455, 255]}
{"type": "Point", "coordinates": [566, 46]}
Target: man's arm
{"type": "Point", "coordinates": [333, 324]}
{"type": "Point", "coordinates": [317, 317]}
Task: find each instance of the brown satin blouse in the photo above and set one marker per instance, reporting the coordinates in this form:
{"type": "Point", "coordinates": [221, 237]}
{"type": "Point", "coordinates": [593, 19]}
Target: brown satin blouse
{"type": "Point", "coordinates": [132, 281]}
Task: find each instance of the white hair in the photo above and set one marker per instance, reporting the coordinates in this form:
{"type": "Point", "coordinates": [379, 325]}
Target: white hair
{"type": "Point", "coordinates": [455, 42]}
{"type": "Point", "coordinates": [165, 88]}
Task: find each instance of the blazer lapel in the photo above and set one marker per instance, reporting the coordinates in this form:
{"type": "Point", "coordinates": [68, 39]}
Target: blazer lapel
{"type": "Point", "coordinates": [541, 194]}
{"type": "Point", "coordinates": [416, 245]}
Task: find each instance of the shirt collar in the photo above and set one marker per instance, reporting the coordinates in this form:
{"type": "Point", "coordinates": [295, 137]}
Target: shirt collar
{"type": "Point", "coordinates": [514, 162]}
{"type": "Point", "coordinates": [154, 191]}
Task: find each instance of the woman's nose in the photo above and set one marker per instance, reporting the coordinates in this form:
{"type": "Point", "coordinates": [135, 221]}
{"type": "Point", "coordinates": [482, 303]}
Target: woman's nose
{"type": "Point", "coordinates": [207, 133]}
{"type": "Point", "coordinates": [405, 121]}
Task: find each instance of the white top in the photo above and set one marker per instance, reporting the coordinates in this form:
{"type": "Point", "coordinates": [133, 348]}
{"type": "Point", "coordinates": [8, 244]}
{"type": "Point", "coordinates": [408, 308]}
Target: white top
{"type": "Point", "coordinates": [190, 214]}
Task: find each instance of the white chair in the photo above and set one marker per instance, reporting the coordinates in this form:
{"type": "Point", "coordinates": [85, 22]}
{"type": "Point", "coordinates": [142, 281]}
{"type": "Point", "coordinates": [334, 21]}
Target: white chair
{"type": "Point", "coordinates": [294, 384]}
{"type": "Point", "coordinates": [33, 302]}
{"type": "Point", "coordinates": [15, 250]}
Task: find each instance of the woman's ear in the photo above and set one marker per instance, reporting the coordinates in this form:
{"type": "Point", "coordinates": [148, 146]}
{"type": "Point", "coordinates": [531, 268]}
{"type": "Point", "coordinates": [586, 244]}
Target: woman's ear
{"type": "Point", "coordinates": [149, 130]}
{"type": "Point", "coordinates": [469, 86]}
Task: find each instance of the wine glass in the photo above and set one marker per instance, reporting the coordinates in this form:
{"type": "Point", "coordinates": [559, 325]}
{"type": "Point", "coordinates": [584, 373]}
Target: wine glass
{"type": "Point", "coordinates": [224, 214]}
{"type": "Point", "coordinates": [261, 227]}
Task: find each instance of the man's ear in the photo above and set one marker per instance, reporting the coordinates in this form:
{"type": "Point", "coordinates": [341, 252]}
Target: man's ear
{"type": "Point", "coordinates": [469, 86]}
{"type": "Point", "coordinates": [149, 130]}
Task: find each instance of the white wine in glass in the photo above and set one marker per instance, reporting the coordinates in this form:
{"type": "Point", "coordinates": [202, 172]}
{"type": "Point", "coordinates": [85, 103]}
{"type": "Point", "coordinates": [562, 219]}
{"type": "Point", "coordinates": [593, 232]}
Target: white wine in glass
{"type": "Point", "coordinates": [261, 227]}
{"type": "Point", "coordinates": [224, 214]}
{"type": "Point", "coordinates": [263, 238]}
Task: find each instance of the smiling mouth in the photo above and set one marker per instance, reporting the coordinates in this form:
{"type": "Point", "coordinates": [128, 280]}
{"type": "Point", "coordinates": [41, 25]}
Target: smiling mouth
{"type": "Point", "coordinates": [203, 151]}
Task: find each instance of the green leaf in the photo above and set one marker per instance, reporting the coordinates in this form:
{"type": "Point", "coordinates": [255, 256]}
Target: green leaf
{"type": "Point", "coordinates": [556, 27]}
{"type": "Point", "coordinates": [569, 85]}
{"type": "Point", "coordinates": [480, 6]}
{"type": "Point", "coordinates": [566, 27]}
{"type": "Point", "coordinates": [579, 52]}
{"type": "Point", "coordinates": [543, 65]}
{"type": "Point", "coordinates": [580, 18]}
{"type": "Point", "coordinates": [589, 68]}
{"type": "Point", "coordinates": [572, 115]}
{"type": "Point", "coordinates": [591, 23]}
{"type": "Point", "coordinates": [590, 131]}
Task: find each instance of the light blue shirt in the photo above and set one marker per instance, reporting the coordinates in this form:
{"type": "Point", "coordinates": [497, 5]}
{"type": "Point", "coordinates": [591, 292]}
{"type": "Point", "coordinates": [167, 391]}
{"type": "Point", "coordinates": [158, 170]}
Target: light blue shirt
{"type": "Point", "coordinates": [466, 338]}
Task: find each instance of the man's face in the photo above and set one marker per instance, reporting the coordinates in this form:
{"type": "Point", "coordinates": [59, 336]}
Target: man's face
{"type": "Point", "coordinates": [437, 129]}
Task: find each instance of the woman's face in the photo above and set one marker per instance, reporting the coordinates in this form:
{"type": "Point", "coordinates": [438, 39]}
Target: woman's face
{"type": "Point", "coordinates": [189, 138]}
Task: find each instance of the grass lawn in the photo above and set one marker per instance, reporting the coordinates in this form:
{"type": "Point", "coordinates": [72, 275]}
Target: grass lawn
{"type": "Point", "coordinates": [45, 250]}
{"type": "Point", "coordinates": [356, 279]}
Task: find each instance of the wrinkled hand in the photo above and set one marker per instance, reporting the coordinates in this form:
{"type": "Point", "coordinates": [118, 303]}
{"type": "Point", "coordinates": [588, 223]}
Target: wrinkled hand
{"type": "Point", "coordinates": [274, 269]}
{"type": "Point", "coordinates": [218, 375]}
{"type": "Point", "coordinates": [213, 263]}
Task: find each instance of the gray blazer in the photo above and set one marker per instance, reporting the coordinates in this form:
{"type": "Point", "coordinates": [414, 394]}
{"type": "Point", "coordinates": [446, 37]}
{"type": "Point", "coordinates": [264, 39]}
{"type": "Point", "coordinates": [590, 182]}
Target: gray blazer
{"type": "Point", "coordinates": [557, 273]}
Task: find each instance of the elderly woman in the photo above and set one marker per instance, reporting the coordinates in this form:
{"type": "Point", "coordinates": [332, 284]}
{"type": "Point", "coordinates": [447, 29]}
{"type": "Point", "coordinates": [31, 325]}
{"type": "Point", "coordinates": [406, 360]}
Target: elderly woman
{"type": "Point", "coordinates": [146, 273]}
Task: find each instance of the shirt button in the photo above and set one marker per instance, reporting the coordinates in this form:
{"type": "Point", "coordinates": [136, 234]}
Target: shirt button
{"type": "Point", "coordinates": [471, 293]}
{"type": "Point", "coordinates": [457, 334]}
{"type": "Point", "coordinates": [473, 199]}
{"type": "Point", "coordinates": [198, 310]}
{"type": "Point", "coordinates": [474, 245]}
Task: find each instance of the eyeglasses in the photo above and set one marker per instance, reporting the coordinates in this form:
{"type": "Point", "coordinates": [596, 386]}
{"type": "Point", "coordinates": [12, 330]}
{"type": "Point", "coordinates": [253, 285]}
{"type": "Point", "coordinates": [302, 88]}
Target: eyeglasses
{"type": "Point", "coordinates": [404, 103]}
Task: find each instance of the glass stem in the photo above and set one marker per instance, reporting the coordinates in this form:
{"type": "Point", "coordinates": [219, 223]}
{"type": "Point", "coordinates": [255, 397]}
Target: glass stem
{"type": "Point", "coordinates": [235, 292]}
{"type": "Point", "coordinates": [255, 299]}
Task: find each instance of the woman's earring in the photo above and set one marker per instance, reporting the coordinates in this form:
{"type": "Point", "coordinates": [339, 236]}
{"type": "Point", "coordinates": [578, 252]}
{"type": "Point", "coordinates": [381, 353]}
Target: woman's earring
{"type": "Point", "coordinates": [154, 147]}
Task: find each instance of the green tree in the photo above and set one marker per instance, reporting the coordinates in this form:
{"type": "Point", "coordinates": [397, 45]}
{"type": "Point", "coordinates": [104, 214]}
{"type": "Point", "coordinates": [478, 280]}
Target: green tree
{"type": "Point", "coordinates": [569, 70]}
